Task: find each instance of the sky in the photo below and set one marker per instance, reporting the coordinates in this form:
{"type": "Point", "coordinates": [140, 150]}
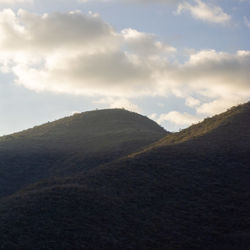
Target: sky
{"type": "Point", "coordinates": [175, 61]}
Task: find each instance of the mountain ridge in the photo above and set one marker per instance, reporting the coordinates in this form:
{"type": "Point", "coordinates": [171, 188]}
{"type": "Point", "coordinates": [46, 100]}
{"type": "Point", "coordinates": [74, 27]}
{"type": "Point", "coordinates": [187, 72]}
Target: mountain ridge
{"type": "Point", "coordinates": [72, 144]}
{"type": "Point", "coordinates": [205, 127]}
{"type": "Point", "coordinates": [188, 195]}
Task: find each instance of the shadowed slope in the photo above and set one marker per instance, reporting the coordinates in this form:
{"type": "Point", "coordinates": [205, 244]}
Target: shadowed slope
{"type": "Point", "coordinates": [71, 145]}
{"type": "Point", "coordinates": [189, 195]}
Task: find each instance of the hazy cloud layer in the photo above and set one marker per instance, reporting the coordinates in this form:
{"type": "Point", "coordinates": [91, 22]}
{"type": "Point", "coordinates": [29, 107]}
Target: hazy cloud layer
{"type": "Point", "coordinates": [81, 54]}
{"type": "Point", "coordinates": [203, 11]}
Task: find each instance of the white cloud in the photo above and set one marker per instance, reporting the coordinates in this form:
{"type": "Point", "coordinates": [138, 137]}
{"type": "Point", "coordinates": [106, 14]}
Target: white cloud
{"type": "Point", "coordinates": [81, 54]}
{"type": "Point", "coordinates": [192, 102]}
{"type": "Point", "coordinates": [178, 118]}
{"type": "Point", "coordinates": [86, 1]}
{"type": "Point", "coordinates": [220, 76]}
{"type": "Point", "coordinates": [219, 105]}
{"type": "Point", "coordinates": [144, 43]}
{"type": "Point", "coordinates": [151, 1]}
{"type": "Point", "coordinates": [76, 53]}
{"type": "Point", "coordinates": [246, 21]}
{"type": "Point", "coordinates": [153, 116]}
{"type": "Point", "coordinates": [217, 73]}
{"type": "Point", "coordinates": [28, 32]}
{"type": "Point", "coordinates": [12, 2]}
{"type": "Point", "coordinates": [132, 1]}
{"type": "Point", "coordinates": [112, 102]}
{"type": "Point", "coordinates": [204, 11]}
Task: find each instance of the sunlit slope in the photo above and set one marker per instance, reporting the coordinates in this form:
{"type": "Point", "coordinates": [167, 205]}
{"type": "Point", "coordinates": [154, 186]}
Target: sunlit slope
{"type": "Point", "coordinates": [228, 127]}
{"type": "Point", "coordinates": [189, 195]}
{"type": "Point", "coordinates": [71, 145]}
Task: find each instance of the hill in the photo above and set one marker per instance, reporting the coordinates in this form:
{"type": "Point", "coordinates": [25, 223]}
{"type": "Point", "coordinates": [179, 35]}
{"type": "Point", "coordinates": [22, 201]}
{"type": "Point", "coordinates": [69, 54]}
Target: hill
{"type": "Point", "coordinates": [181, 194]}
{"type": "Point", "coordinates": [224, 128]}
{"type": "Point", "coordinates": [72, 145]}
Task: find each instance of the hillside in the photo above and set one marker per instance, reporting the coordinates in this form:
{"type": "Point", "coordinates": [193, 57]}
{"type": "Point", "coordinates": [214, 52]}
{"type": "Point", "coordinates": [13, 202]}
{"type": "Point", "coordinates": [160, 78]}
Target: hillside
{"type": "Point", "coordinates": [92, 131]}
{"type": "Point", "coordinates": [188, 194]}
{"type": "Point", "coordinates": [72, 145]}
{"type": "Point", "coordinates": [223, 128]}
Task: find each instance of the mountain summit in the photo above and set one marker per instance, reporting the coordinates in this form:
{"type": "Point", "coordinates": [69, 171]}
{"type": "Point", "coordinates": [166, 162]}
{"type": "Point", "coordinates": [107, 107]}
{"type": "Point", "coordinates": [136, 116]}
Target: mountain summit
{"type": "Point", "coordinates": [71, 145]}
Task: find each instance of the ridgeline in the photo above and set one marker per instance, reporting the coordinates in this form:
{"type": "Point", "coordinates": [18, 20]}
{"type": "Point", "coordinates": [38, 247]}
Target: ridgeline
{"type": "Point", "coordinates": [188, 190]}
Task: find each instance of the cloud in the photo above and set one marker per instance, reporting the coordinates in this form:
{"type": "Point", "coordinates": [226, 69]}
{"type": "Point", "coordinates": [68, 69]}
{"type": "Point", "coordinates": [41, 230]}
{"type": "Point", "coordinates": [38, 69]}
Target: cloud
{"type": "Point", "coordinates": [76, 53]}
{"type": "Point", "coordinates": [216, 70]}
{"type": "Point", "coordinates": [144, 43]}
{"type": "Point", "coordinates": [246, 21]}
{"type": "Point", "coordinates": [86, 1]}
{"type": "Point", "coordinates": [192, 102]}
{"type": "Point", "coordinates": [219, 76]}
{"type": "Point", "coordinates": [81, 54]}
{"type": "Point", "coordinates": [12, 2]}
{"type": "Point", "coordinates": [216, 73]}
{"type": "Point", "coordinates": [152, 1]}
{"type": "Point", "coordinates": [112, 102]}
{"type": "Point", "coordinates": [132, 1]}
{"type": "Point", "coordinates": [178, 118]}
{"type": "Point", "coordinates": [219, 105]}
{"type": "Point", "coordinates": [205, 12]}
{"type": "Point", "coordinates": [29, 32]}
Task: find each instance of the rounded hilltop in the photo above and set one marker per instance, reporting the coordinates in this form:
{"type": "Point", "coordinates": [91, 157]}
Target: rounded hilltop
{"type": "Point", "coordinates": [72, 144]}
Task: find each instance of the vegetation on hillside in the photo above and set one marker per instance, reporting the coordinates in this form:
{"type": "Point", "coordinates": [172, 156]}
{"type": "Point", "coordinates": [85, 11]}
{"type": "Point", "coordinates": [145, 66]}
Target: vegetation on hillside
{"type": "Point", "coordinates": [188, 195]}
{"type": "Point", "coordinates": [72, 145]}
{"type": "Point", "coordinates": [236, 118]}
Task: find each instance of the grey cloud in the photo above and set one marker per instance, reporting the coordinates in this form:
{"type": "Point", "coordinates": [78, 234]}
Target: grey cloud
{"type": "Point", "coordinates": [219, 69]}
{"type": "Point", "coordinates": [112, 67]}
{"type": "Point", "coordinates": [112, 73]}
{"type": "Point", "coordinates": [50, 31]}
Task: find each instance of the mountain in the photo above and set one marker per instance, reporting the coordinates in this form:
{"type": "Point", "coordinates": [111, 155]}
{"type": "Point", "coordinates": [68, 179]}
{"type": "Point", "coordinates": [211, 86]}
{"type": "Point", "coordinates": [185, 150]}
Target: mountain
{"type": "Point", "coordinates": [189, 190]}
{"type": "Point", "coordinates": [226, 128]}
{"type": "Point", "coordinates": [72, 145]}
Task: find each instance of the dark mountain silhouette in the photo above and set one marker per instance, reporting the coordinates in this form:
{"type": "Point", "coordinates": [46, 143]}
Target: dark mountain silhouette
{"type": "Point", "coordinates": [190, 190]}
{"type": "Point", "coordinates": [72, 145]}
